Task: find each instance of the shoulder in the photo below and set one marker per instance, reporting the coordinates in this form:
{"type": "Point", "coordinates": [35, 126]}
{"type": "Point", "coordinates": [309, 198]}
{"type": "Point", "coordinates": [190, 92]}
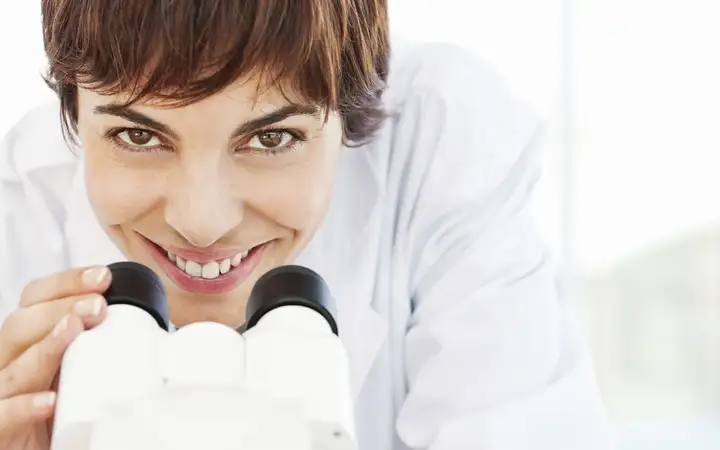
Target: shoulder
{"type": "Point", "coordinates": [453, 115]}
{"type": "Point", "coordinates": [429, 65]}
{"type": "Point", "coordinates": [452, 75]}
{"type": "Point", "coordinates": [440, 88]}
{"type": "Point", "coordinates": [34, 142]}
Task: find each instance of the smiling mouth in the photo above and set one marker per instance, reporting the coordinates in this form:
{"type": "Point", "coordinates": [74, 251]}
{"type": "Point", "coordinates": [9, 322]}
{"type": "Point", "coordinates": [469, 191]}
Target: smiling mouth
{"type": "Point", "coordinates": [210, 270]}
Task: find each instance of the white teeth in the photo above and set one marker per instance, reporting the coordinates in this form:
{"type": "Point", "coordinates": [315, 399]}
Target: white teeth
{"type": "Point", "coordinates": [225, 265]}
{"type": "Point", "coordinates": [193, 269]}
{"type": "Point", "coordinates": [211, 270]}
{"type": "Point", "coordinates": [237, 259]}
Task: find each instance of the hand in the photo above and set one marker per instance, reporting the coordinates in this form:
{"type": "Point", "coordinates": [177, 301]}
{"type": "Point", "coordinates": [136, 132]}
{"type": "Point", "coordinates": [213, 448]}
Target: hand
{"type": "Point", "coordinates": [52, 312]}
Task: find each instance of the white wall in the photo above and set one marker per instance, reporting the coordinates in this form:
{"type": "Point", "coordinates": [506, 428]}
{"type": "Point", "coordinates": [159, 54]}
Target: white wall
{"type": "Point", "coordinates": [646, 109]}
{"type": "Point", "coordinates": [645, 216]}
{"type": "Point", "coordinates": [21, 61]}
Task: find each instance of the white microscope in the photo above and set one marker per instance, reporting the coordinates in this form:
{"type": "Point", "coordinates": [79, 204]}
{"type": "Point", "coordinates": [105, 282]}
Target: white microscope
{"type": "Point", "coordinates": [282, 384]}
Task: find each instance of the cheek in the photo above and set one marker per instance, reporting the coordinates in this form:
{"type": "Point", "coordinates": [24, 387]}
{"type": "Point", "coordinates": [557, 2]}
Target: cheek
{"type": "Point", "coordinates": [118, 194]}
{"type": "Point", "coordinates": [298, 197]}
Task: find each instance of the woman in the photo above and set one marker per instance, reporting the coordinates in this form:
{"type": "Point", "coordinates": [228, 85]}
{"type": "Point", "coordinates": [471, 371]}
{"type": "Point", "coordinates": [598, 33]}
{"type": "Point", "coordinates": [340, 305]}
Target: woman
{"type": "Point", "coordinates": [213, 141]}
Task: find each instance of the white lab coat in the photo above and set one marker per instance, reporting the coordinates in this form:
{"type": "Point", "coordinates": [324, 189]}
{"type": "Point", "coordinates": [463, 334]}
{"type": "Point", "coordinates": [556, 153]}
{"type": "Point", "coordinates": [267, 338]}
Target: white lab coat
{"type": "Point", "coordinates": [447, 301]}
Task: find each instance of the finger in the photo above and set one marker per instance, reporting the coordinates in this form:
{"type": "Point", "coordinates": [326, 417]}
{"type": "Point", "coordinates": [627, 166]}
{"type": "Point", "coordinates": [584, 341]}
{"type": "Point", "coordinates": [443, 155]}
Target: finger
{"type": "Point", "coordinates": [36, 368]}
{"type": "Point", "coordinates": [25, 409]}
{"type": "Point", "coordinates": [26, 326]}
{"type": "Point", "coordinates": [66, 284]}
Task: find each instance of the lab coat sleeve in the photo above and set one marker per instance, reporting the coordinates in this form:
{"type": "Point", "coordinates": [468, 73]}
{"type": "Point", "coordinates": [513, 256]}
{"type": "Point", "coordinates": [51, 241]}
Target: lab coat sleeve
{"type": "Point", "coordinates": [4, 217]}
{"type": "Point", "coordinates": [9, 197]}
{"type": "Point", "coordinates": [33, 182]}
{"type": "Point", "coordinates": [491, 362]}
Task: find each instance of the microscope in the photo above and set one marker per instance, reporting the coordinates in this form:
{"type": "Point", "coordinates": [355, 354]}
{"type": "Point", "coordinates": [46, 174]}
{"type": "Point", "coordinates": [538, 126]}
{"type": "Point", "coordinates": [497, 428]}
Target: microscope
{"type": "Point", "coordinates": [132, 383]}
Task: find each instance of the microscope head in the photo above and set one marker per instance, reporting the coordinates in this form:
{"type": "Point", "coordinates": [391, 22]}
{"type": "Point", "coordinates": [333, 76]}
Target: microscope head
{"type": "Point", "coordinates": [281, 384]}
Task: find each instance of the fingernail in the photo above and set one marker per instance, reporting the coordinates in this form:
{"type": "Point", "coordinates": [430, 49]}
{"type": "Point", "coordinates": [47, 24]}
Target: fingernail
{"type": "Point", "coordinates": [61, 326]}
{"type": "Point", "coordinates": [94, 276]}
{"type": "Point", "coordinates": [44, 400]}
{"type": "Point", "coordinates": [89, 307]}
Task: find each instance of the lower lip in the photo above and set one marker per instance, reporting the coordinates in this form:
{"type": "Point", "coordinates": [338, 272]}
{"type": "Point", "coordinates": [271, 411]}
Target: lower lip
{"type": "Point", "coordinates": [222, 284]}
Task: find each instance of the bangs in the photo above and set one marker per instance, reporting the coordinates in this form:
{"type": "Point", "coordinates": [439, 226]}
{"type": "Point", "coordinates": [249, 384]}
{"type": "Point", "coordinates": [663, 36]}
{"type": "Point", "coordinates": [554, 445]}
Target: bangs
{"type": "Point", "coordinates": [178, 52]}
{"type": "Point", "coordinates": [332, 54]}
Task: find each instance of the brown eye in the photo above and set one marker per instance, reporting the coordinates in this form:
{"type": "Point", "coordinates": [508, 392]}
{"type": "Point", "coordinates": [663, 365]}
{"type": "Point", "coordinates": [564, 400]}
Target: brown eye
{"type": "Point", "coordinates": [138, 138]}
{"type": "Point", "coordinates": [271, 139]}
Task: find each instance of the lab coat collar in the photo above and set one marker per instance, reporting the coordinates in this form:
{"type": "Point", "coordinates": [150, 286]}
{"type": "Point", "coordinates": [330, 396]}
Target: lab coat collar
{"type": "Point", "coordinates": [331, 253]}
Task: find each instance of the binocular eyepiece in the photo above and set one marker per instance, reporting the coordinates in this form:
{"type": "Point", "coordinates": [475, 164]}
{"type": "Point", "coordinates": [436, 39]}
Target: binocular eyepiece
{"type": "Point", "coordinates": [137, 285]}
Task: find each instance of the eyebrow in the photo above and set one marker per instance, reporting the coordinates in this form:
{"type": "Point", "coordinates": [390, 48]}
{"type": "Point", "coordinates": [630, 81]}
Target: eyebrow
{"type": "Point", "coordinates": [128, 113]}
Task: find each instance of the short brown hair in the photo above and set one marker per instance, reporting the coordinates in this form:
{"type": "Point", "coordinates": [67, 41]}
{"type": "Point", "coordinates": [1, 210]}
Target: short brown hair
{"type": "Point", "coordinates": [333, 53]}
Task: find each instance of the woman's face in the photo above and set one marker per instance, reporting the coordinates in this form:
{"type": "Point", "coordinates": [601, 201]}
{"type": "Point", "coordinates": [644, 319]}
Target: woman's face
{"type": "Point", "coordinates": [211, 195]}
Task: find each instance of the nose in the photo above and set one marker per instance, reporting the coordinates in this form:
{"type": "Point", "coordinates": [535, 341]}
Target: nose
{"type": "Point", "coordinates": [202, 209]}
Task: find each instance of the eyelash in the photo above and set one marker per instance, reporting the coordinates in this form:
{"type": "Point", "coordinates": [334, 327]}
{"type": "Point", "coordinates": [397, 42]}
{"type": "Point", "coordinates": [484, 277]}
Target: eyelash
{"type": "Point", "coordinates": [297, 137]}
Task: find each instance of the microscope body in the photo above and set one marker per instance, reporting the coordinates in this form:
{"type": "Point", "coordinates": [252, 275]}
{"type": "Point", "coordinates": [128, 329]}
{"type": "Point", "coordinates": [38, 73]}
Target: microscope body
{"type": "Point", "coordinates": [283, 384]}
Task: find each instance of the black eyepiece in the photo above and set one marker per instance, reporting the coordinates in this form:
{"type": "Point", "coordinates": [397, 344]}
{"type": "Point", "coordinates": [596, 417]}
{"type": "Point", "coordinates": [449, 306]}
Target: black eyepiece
{"type": "Point", "coordinates": [137, 285]}
{"type": "Point", "coordinates": [290, 285]}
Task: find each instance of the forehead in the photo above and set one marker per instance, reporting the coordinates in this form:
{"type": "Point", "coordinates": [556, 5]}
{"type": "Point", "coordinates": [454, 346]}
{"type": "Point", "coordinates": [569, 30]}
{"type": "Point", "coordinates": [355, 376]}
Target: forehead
{"type": "Point", "coordinates": [243, 98]}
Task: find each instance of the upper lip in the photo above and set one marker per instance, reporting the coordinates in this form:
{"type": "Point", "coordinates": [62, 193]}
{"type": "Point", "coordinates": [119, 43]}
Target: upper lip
{"type": "Point", "coordinates": [204, 255]}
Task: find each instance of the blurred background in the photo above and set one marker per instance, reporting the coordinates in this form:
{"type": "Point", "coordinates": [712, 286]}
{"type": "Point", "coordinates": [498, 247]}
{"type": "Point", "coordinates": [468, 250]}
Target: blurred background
{"type": "Point", "coordinates": [631, 93]}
